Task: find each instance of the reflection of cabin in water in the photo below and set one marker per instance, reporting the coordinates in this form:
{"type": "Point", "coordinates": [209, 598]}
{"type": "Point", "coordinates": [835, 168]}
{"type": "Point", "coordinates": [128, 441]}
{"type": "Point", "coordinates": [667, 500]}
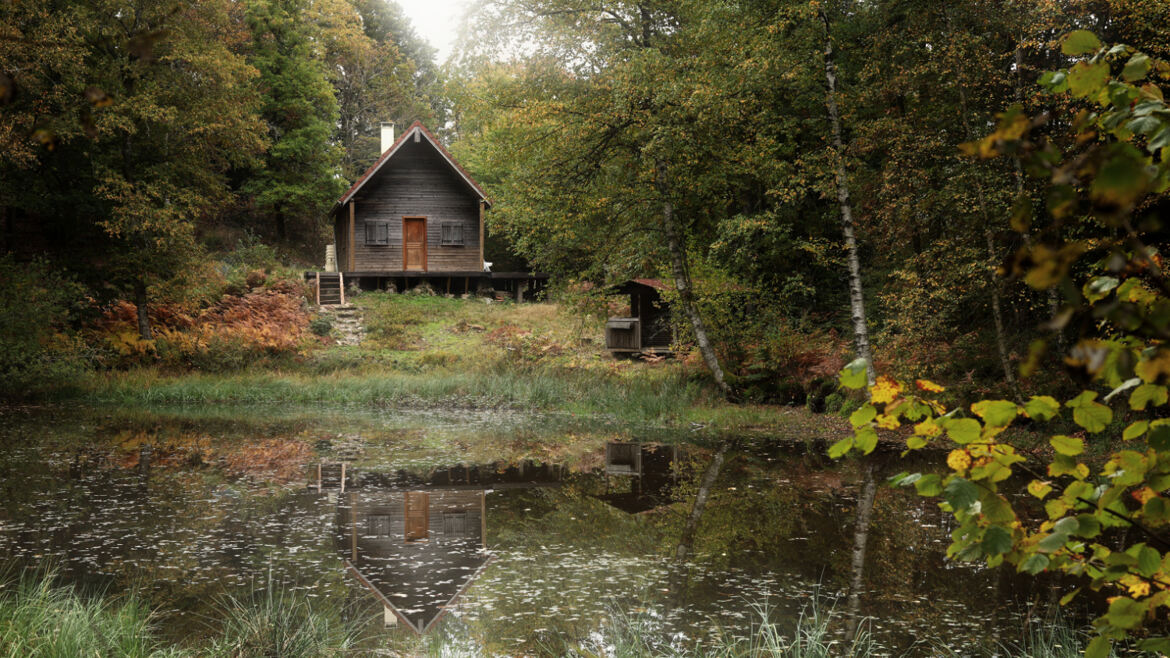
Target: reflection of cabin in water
{"type": "Point", "coordinates": [651, 472]}
{"type": "Point", "coordinates": [417, 542]}
{"type": "Point", "coordinates": [647, 329]}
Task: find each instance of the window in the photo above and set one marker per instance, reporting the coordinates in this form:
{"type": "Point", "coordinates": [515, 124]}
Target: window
{"type": "Point", "coordinates": [377, 233]}
{"type": "Point", "coordinates": [378, 525]}
{"type": "Point", "coordinates": [452, 235]}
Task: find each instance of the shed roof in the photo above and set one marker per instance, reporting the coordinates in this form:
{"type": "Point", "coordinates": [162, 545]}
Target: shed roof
{"type": "Point", "coordinates": [632, 285]}
{"type": "Point", "coordinates": [419, 130]}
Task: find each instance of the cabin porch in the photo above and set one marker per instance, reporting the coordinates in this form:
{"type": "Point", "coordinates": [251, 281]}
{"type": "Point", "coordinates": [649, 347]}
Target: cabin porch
{"type": "Point", "coordinates": [518, 286]}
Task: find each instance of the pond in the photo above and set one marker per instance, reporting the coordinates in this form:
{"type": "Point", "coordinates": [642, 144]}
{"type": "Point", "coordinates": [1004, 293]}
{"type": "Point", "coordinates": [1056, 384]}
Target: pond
{"type": "Point", "coordinates": [515, 534]}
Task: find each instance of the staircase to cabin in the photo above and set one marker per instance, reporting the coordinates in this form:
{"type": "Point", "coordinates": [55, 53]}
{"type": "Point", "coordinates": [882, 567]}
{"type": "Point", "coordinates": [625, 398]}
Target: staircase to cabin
{"type": "Point", "coordinates": [347, 324]}
{"type": "Point", "coordinates": [329, 293]}
{"type": "Point", "coordinates": [346, 319]}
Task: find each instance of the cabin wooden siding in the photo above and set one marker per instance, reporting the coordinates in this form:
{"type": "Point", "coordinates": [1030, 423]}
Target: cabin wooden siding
{"type": "Point", "coordinates": [415, 182]}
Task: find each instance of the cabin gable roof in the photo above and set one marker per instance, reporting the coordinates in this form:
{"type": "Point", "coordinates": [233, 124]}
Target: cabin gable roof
{"type": "Point", "coordinates": [416, 131]}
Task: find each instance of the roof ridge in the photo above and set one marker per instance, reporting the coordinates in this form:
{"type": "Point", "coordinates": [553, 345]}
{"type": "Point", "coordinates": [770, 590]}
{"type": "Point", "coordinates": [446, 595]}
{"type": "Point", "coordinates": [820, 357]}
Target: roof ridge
{"type": "Point", "coordinates": [388, 153]}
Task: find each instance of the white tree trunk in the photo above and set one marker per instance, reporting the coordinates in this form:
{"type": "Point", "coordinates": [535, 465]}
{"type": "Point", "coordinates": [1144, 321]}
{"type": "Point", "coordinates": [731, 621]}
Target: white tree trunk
{"type": "Point", "coordinates": [682, 282]}
{"type": "Point", "coordinates": [856, 298]}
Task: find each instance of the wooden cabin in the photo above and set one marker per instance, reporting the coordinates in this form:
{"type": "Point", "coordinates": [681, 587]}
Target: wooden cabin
{"type": "Point", "coordinates": [415, 216]}
{"type": "Point", "coordinates": [647, 328]}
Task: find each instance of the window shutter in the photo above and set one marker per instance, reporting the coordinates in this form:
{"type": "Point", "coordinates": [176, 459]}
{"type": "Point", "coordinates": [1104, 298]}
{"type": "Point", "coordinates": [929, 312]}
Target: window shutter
{"type": "Point", "coordinates": [377, 233]}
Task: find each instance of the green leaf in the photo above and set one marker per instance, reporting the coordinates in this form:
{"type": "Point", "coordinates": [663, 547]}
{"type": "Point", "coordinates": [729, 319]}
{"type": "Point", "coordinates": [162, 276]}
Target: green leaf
{"type": "Point", "coordinates": [1067, 598]}
{"type": "Point", "coordinates": [1099, 287]}
{"type": "Point", "coordinates": [1088, 526]}
{"type": "Point", "coordinates": [1055, 82]}
{"type": "Point", "coordinates": [1135, 430]}
{"type": "Point", "coordinates": [1145, 394]}
{"type": "Point", "coordinates": [1086, 79]}
{"type": "Point", "coordinates": [865, 439]}
{"type": "Point", "coordinates": [898, 480]}
{"type": "Point", "coordinates": [1122, 178]}
{"type": "Point", "coordinates": [1053, 542]}
{"type": "Point", "coordinates": [1067, 445]}
{"type": "Point", "coordinates": [1066, 526]}
{"type": "Point", "coordinates": [1099, 647]}
{"type": "Point", "coordinates": [1125, 613]}
{"type": "Point", "coordinates": [840, 448]}
{"type": "Point", "coordinates": [996, 413]}
{"type": "Point", "coordinates": [1094, 417]}
{"type": "Point", "coordinates": [863, 415]}
{"type": "Point", "coordinates": [1160, 140]}
{"type": "Point", "coordinates": [996, 541]}
{"type": "Point", "coordinates": [1042, 407]}
{"type": "Point", "coordinates": [1039, 489]}
{"type": "Point", "coordinates": [961, 493]}
{"type": "Point", "coordinates": [928, 485]}
{"type": "Point", "coordinates": [1034, 564]}
{"type": "Point", "coordinates": [1156, 510]}
{"type": "Point", "coordinates": [1149, 561]}
{"type": "Point", "coordinates": [1136, 68]}
{"type": "Point", "coordinates": [1155, 645]}
{"type": "Point", "coordinates": [1080, 42]}
{"type": "Point", "coordinates": [1159, 436]}
{"type": "Point", "coordinates": [963, 430]}
{"type": "Point", "coordinates": [1143, 125]}
{"type": "Point", "coordinates": [855, 374]}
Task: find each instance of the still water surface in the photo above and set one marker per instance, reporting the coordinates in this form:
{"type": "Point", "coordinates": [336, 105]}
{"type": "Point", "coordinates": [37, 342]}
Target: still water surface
{"type": "Point", "coordinates": [515, 534]}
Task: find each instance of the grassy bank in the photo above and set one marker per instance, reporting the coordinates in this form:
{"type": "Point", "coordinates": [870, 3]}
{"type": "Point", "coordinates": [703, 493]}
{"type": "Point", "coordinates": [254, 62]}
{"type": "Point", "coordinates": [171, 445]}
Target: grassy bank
{"type": "Point", "coordinates": [39, 618]}
{"type": "Point", "coordinates": [436, 352]}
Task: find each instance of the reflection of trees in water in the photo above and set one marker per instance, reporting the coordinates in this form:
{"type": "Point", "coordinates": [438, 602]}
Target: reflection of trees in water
{"type": "Point", "coordinates": [860, 542]}
{"type": "Point", "coordinates": [686, 540]}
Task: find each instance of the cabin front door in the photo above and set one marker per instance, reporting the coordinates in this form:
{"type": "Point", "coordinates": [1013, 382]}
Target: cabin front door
{"type": "Point", "coordinates": [414, 243]}
{"type": "Point", "coordinates": [418, 510]}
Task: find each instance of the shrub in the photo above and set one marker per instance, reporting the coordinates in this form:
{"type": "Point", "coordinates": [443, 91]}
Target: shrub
{"type": "Point", "coordinates": [320, 326]}
{"type": "Point", "coordinates": [38, 346]}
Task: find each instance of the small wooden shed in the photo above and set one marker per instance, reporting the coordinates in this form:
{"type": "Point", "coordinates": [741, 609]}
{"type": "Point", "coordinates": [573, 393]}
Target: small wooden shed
{"type": "Point", "coordinates": [648, 327]}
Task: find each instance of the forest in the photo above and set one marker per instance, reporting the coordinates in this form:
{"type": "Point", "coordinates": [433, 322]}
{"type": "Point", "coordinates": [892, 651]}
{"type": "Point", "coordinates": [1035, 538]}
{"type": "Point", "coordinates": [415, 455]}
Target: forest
{"type": "Point", "coordinates": [941, 221]}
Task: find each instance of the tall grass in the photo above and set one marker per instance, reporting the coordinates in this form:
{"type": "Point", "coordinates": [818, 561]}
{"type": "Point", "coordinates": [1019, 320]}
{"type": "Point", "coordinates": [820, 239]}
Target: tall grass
{"type": "Point", "coordinates": [641, 400]}
{"type": "Point", "coordinates": [1051, 638]}
{"type": "Point", "coordinates": [40, 619]}
{"type": "Point", "coordinates": [640, 636]}
{"type": "Point", "coordinates": [277, 623]}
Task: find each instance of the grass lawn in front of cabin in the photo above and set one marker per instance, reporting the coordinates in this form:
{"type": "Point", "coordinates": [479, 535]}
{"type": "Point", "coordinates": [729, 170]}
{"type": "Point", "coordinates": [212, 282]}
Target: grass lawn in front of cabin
{"type": "Point", "coordinates": [434, 352]}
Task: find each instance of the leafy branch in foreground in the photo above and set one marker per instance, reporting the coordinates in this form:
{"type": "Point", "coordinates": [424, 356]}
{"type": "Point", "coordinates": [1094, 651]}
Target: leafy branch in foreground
{"type": "Point", "coordinates": [1104, 195]}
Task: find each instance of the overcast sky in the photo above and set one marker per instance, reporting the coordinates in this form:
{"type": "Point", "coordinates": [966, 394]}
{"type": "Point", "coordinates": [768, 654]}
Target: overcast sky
{"type": "Point", "coordinates": [437, 21]}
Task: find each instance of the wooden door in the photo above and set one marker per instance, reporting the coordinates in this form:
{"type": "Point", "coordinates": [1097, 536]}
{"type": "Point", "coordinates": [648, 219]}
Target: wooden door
{"type": "Point", "coordinates": [418, 510]}
{"type": "Point", "coordinates": [414, 243]}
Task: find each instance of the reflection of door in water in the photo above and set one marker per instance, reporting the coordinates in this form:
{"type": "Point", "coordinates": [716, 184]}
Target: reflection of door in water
{"type": "Point", "coordinates": [417, 511]}
{"type": "Point", "coordinates": [414, 243]}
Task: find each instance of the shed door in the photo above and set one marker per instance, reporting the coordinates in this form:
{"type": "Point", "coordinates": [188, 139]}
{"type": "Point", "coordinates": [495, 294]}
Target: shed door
{"type": "Point", "coordinates": [418, 510]}
{"type": "Point", "coordinates": [414, 243]}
